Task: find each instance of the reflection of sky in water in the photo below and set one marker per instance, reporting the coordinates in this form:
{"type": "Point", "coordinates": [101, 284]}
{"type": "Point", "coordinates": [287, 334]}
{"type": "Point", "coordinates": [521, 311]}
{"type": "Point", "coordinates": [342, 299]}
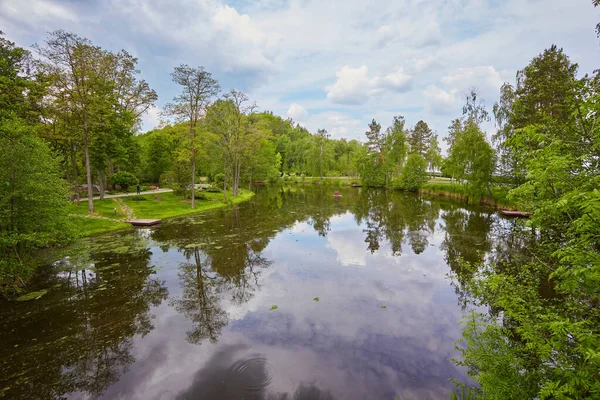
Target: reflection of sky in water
{"type": "Point", "coordinates": [345, 345]}
{"type": "Point", "coordinates": [182, 310]}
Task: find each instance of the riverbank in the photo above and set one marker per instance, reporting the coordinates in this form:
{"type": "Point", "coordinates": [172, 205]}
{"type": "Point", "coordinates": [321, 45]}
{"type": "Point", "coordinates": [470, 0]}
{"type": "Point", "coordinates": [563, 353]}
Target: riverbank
{"type": "Point", "coordinates": [456, 192]}
{"type": "Point", "coordinates": [111, 214]}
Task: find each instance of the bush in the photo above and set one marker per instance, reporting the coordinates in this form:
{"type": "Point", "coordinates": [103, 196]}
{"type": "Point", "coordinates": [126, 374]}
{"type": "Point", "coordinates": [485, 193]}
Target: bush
{"type": "Point", "coordinates": [123, 179]}
{"type": "Point", "coordinates": [414, 174]}
{"type": "Point", "coordinates": [199, 196]}
{"type": "Point", "coordinates": [218, 179]}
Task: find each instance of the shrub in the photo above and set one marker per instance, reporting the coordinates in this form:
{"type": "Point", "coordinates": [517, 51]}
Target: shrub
{"type": "Point", "coordinates": [123, 179]}
{"type": "Point", "coordinates": [414, 174]}
{"type": "Point", "coordinates": [218, 179]}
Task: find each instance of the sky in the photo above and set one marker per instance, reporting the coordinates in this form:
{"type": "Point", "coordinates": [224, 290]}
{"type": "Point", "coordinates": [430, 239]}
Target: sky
{"type": "Point", "coordinates": [332, 64]}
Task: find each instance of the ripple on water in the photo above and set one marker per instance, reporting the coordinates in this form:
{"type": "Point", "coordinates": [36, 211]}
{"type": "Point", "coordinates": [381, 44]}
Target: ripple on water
{"type": "Point", "coordinates": [254, 374]}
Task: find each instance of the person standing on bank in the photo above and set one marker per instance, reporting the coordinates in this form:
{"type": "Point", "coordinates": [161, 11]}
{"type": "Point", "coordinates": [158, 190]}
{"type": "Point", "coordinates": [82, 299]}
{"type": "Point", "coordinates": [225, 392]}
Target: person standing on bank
{"type": "Point", "coordinates": [138, 189]}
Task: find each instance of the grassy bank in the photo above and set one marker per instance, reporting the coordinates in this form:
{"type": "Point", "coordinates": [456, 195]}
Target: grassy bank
{"type": "Point", "coordinates": [165, 205]}
{"type": "Point", "coordinates": [445, 188]}
{"type": "Point", "coordinates": [111, 214]}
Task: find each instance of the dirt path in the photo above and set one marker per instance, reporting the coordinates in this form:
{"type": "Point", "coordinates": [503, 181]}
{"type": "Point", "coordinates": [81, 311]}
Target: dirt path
{"type": "Point", "coordinates": [126, 209]}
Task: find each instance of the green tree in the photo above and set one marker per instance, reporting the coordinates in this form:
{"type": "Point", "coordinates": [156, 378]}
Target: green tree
{"type": "Point", "coordinates": [472, 159]}
{"type": "Point", "coordinates": [33, 201]}
{"type": "Point", "coordinates": [434, 154]}
{"type": "Point", "coordinates": [546, 346]}
{"type": "Point", "coordinates": [198, 87]}
{"type": "Point", "coordinates": [397, 145]}
{"type": "Point", "coordinates": [78, 73]}
{"type": "Point", "coordinates": [124, 179]}
{"type": "Point", "coordinates": [420, 138]}
{"type": "Point", "coordinates": [414, 175]}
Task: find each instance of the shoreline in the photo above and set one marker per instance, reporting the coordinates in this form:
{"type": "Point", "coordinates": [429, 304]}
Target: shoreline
{"type": "Point", "coordinates": [97, 224]}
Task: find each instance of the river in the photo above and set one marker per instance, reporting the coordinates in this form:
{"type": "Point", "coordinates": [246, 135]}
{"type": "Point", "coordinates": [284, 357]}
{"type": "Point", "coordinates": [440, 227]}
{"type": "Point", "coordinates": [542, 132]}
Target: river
{"type": "Point", "coordinates": [296, 294]}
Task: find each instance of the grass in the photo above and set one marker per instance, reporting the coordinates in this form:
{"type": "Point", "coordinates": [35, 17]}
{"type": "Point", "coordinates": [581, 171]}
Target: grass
{"type": "Point", "coordinates": [94, 226]}
{"type": "Point", "coordinates": [165, 205]}
{"type": "Point", "coordinates": [155, 206]}
{"type": "Point", "coordinates": [441, 186]}
{"type": "Point", "coordinates": [104, 208]}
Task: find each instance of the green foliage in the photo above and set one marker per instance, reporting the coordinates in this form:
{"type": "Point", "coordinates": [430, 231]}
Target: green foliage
{"type": "Point", "coordinates": [472, 158]}
{"type": "Point", "coordinates": [546, 345]}
{"type": "Point", "coordinates": [419, 138]}
{"type": "Point", "coordinates": [218, 179]}
{"type": "Point", "coordinates": [124, 179]}
{"type": "Point", "coordinates": [33, 200]}
{"type": "Point", "coordinates": [414, 175]}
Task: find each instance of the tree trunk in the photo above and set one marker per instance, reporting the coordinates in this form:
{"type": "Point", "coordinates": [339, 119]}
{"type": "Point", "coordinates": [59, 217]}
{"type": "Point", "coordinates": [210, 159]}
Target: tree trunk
{"type": "Point", "coordinates": [88, 172]}
{"type": "Point", "coordinates": [225, 185]}
{"type": "Point", "coordinates": [75, 175]}
{"type": "Point", "coordinates": [193, 162]}
{"type": "Point", "coordinates": [101, 181]}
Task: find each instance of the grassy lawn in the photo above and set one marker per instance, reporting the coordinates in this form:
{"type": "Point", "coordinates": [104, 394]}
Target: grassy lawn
{"type": "Point", "coordinates": [160, 205]}
{"type": "Point", "coordinates": [94, 226]}
{"type": "Point", "coordinates": [104, 208]}
{"type": "Point", "coordinates": [165, 205]}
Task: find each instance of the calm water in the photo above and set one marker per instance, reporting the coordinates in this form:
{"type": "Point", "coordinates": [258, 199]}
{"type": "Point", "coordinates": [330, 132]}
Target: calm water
{"type": "Point", "coordinates": [295, 295]}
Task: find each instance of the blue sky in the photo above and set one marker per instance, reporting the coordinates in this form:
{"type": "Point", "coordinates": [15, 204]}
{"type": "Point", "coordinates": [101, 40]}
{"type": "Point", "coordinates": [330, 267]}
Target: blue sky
{"type": "Point", "coordinates": [327, 64]}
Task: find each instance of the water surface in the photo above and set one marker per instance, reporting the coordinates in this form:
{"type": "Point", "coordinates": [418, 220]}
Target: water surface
{"type": "Point", "coordinates": [294, 295]}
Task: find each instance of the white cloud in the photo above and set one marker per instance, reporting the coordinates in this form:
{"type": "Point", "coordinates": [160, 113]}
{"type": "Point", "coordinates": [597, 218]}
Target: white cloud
{"type": "Point", "coordinates": [338, 124]}
{"type": "Point", "coordinates": [440, 100]}
{"type": "Point", "coordinates": [297, 112]}
{"type": "Point", "coordinates": [354, 86]}
{"type": "Point", "coordinates": [487, 79]}
{"type": "Point", "coordinates": [37, 11]}
{"type": "Point", "coordinates": [151, 119]}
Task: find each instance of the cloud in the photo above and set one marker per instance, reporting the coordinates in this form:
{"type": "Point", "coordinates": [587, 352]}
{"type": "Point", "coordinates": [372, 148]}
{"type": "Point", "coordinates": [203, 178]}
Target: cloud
{"type": "Point", "coordinates": [440, 100]}
{"type": "Point", "coordinates": [297, 112]}
{"type": "Point", "coordinates": [37, 11]}
{"type": "Point", "coordinates": [487, 79]}
{"type": "Point", "coordinates": [354, 86]}
{"type": "Point", "coordinates": [338, 124]}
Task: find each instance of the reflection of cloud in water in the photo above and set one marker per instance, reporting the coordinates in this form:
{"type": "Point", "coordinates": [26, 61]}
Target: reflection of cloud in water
{"type": "Point", "coordinates": [347, 241]}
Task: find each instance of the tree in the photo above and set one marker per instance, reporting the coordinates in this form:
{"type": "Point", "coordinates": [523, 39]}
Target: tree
{"type": "Point", "coordinates": [321, 140]}
{"type": "Point", "coordinates": [474, 109]}
{"type": "Point", "coordinates": [233, 122]}
{"type": "Point", "coordinates": [543, 331]}
{"type": "Point", "coordinates": [124, 179]}
{"type": "Point", "coordinates": [198, 88]}
{"type": "Point", "coordinates": [397, 145]}
{"type": "Point", "coordinates": [78, 73]}
{"type": "Point", "coordinates": [434, 154]}
{"type": "Point", "coordinates": [414, 175]}
{"type": "Point", "coordinates": [33, 201]}
{"type": "Point", "coordinates": [471, 158]}
{"type": "Point", "coordinates": [420, 138]}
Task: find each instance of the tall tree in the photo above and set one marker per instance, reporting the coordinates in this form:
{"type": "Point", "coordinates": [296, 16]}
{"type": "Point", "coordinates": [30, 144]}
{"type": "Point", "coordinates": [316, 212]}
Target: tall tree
{"type": "Point", "coordinates": [321, 141]}
{"type": "Point", "coordinates": [397, 144]}
{"type": "Point", "coordinates": [434, 154]}
{"type": "Point", "coordinates": [234, 123]}
{"type": "Point", "coordinates": [77, 70]}
{"type": "Point", "coordinates": [198, 88]}
{"type": "Point", "coordinates": [420, 138]}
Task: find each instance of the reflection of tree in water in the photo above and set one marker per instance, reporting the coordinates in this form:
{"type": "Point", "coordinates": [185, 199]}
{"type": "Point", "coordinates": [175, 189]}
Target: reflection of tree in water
{"type": "Point", "coordinates": [223, 377]}
{"type": "Point", "coordinates": [200, 301]}
{"type": "Point", "coordinates": [396, 217]}
{"type": "Point", "coordinates": [78, 338]}
{"type": "Point", "coordinates": [215, 271]}
{"type": "Point", "coordinates": [467, 239]}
